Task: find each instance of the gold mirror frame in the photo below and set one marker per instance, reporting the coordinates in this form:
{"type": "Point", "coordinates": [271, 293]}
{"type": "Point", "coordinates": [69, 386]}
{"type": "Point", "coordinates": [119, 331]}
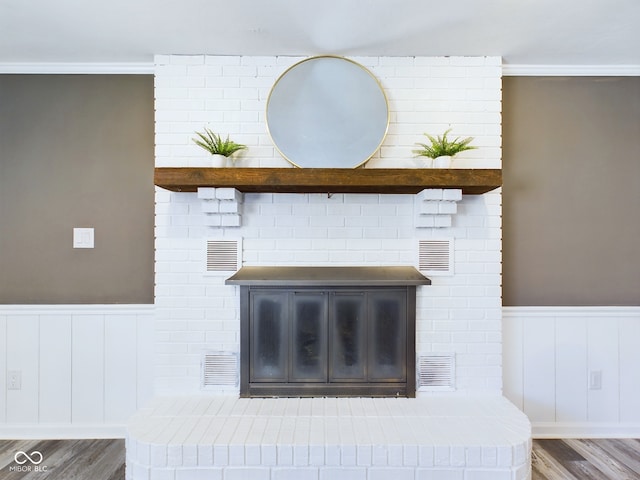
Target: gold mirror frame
{"type": "Point", "coordinates": [327, 112]}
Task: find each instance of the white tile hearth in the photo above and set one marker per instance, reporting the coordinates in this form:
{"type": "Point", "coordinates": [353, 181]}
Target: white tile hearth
{"type": "Point", "coordinates": [227, 438]}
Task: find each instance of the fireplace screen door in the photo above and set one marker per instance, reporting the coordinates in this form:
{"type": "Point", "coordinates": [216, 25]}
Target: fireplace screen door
{"type": "Point", "coordinates": [332, 341]}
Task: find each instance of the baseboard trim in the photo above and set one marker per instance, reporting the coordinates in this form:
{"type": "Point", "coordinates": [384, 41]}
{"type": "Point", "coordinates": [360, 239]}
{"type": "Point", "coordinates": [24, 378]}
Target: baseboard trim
{"type": "Point", "coordinates": [585, 430]}
{"type": "Point", "coordinates": [60, 431]}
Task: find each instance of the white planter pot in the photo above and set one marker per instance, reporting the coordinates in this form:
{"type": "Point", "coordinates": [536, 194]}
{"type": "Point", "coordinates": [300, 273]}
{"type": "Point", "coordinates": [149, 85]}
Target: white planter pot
{"type": "Point", "coordinates": [423, 162]}
{"type": "Point", "coordinates": [442, 162]}
{"type": "Point", "coordinates": [218, 161]}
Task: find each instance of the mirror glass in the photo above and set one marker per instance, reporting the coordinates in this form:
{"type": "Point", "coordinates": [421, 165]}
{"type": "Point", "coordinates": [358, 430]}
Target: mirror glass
{"type": "Point", "coordinates": [327, 112]}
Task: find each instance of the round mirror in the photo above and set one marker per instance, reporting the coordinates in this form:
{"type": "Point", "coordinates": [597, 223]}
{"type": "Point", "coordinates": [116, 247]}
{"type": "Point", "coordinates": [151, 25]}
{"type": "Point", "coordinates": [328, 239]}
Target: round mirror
{"type": "Point", "coordinates": [327, 112]}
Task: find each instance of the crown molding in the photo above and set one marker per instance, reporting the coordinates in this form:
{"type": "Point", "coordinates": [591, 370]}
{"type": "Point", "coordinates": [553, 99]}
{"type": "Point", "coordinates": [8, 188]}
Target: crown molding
{"type": "Point", "coordinates": [148, 68]}
{"type": "Point", "coordinates": [141, 68]}
{"type": "Point", "coordinates": [570, 70]}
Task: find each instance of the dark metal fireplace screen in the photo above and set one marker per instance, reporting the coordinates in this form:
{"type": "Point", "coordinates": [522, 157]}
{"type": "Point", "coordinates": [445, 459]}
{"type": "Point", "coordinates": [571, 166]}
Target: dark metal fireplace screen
{"type": "Point", "coordinates": [306, 339]}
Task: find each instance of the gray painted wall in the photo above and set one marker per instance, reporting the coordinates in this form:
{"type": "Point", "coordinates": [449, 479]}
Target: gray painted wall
{"type": "Point", "coordinates": [571, 194]}
{"type": "Point", "coordinates": [76, 151]}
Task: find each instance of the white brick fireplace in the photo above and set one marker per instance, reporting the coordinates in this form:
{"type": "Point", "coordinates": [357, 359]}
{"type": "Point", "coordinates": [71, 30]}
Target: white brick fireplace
{"type": "Point", "coordinates": [458, 314]}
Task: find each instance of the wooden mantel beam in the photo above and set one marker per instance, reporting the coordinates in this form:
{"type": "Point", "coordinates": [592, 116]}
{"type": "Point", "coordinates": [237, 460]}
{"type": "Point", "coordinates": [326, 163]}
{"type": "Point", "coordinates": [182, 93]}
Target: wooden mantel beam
{"type": "Point", "coordinates": [328, 180]}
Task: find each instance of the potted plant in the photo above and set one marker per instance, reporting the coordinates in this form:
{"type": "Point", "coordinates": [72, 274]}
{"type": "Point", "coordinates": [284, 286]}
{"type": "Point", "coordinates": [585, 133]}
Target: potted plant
{"type": "Point", "coordinates": [441, 149]}
{"type": "Point", "coordinates": [220, 149]}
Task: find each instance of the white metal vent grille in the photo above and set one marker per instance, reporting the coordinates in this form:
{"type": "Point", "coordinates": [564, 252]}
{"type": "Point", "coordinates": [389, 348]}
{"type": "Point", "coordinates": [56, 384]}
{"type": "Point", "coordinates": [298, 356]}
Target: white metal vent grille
{"type": "Point", "coordinates": [435, 257]}
{"type": "Point", "coordinates": [220, 369]}
{"type": "Point", "coordinates": [436, 372]}
{"type": "Point", "coordinates": [223, 255]}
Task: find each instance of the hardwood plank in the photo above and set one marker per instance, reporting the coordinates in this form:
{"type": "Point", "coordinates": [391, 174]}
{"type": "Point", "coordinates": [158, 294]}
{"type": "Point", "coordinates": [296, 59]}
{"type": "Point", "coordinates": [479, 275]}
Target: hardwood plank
{"type": "Point", "coordinates": [118, 474]}
{"type": "Point", "coordinates": [591, 450]}
{"type": "Point", "coordinates": [102, 459]}
{"type": "Point", "coordinates": [624, 451]}
{"type": "Point", "coordinates": [95, 459]}
{"type": "Point", "coordinates": [583, 470]}
{"type": "Point", "coordinates": [57, 456]}
{"type": "Point", "coordinates": [8, 449]}
{"type": "Point", "coordinates": [560, 451]}
{"type": "Point", "coordinates": [112, 459]}
{"type": "Point", "coordinates": [587, 459]}
{"type": "Point", "coordinates": [544, 466]}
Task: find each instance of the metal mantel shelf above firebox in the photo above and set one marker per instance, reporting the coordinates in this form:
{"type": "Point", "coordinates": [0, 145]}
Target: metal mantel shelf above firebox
{"type": "Point", "coordinates": [328, 276]}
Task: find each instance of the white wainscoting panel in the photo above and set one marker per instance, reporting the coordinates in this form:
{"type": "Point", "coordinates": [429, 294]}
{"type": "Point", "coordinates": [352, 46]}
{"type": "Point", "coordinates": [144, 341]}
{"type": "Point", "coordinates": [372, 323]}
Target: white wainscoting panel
{"type": "Point", "coordinates": [22, 349]}
{"type": "Point", "coordinates": [87, 375]}
{"type": "Point", "coordinates": [549, 354]}
{"type": "Point", "coordinates": [55, 369]}
{"type": "Point", "coordinates": [85, 368]}
{"type": "Point", "coordinates": [3, 369]}
{"type": "Point", "coordinates": [570, 351]}
{"type": "Point", "coordinates": [120, 353]}
{"type": "Point", "coordinates": [629, 355]}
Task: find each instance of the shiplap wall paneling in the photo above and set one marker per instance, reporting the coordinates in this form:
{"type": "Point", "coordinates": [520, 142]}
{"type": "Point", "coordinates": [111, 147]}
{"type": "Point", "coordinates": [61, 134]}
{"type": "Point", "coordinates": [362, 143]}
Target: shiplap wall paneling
{"type": "Point", "coordinates": [23, 354]}
{"type": "Point", "coordinates": [83, 367]}
{"type": "Point", "coordinates": [120, 387]}
{"type": "Point", "coordinates": [539, 374]}
{"type": "Point", "coordinates": [602, 345]}
{"type": "Point", "coordinates": [145, 360]}
{"type": "Point", "coordinates": [629, 355]}
{"type": "Point", "coordinates": [55, 369]}
{"type": "Point", "coordinates": [88, 369]}
{"type": "Point", "coordinates": [549, 355]}
{"type": "Point", "coordinates": [3, 369]}
{"type": "Point", "coordinates": [571, 363]}
{"type": "Point", "coordinates": [513, 360]}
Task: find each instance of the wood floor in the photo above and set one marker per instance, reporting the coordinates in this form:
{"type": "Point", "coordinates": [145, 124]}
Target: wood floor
{"type": "Point", "coordinates": [104, 459]}
{"type": "Point", "coordinates": [586, 459]}
{"type": "Point", "coordinates": [62, 459]}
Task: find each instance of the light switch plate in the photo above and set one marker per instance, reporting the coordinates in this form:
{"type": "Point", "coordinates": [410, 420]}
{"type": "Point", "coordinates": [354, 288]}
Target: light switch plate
{"type": "Point", "coordinates": [83, 237]}
{"type": "Point", "coordinates": [14, 380]}
{"type": "Point", "coordinates": [595, 380]}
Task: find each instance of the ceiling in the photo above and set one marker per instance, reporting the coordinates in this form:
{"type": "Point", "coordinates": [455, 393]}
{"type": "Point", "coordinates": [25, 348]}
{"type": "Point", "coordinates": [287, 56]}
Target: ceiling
{"type": "Point", "coordinates": [524, 32]}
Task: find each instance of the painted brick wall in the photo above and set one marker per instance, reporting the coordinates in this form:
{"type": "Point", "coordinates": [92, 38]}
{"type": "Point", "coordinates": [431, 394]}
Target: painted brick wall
{"type": "Point", "coordinates": [458, 314]}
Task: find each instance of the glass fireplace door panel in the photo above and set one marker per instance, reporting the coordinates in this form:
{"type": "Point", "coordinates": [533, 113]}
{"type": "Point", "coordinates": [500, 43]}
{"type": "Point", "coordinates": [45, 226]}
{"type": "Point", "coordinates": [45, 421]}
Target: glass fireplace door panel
{"type": "Point", "coordinates": [387, 336]}
{"type": "Point", "coordinates": [308, 337]}
{"type": "Point", "coordinates": [269, 333]}
{"type": "Point", "coordinates": [348, 333]}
